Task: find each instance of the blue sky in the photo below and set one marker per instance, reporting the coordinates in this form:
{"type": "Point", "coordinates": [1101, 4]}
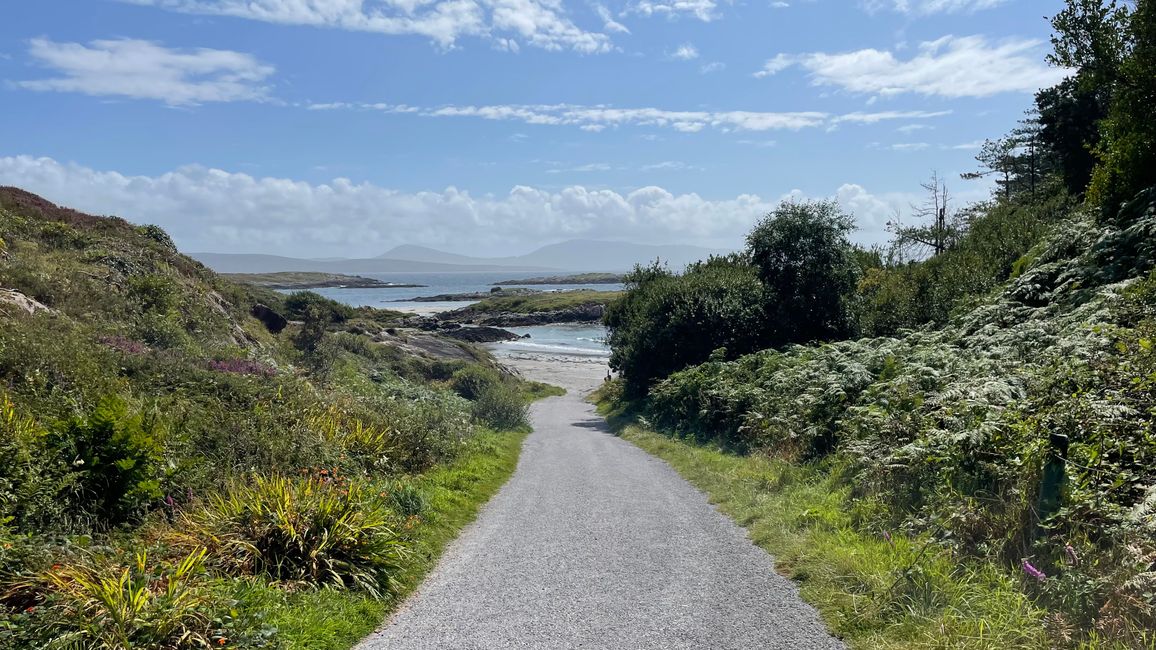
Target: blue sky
{"type": "Point", "coordinates": [345, 127]}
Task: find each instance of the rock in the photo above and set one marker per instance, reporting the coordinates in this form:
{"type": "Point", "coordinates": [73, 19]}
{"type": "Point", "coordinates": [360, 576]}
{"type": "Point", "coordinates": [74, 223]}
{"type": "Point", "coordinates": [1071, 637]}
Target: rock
{"type": "Point", "coordinates": [22, 302]}
{"type": "Point", "coordinates": [482, 334]}
{"type": "Point", "coordinates": [272, 321]}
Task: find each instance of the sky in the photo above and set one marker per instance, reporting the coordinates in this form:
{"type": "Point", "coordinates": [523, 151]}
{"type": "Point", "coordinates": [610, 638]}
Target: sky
{"type": "Point", "coordinates": [320, 128]}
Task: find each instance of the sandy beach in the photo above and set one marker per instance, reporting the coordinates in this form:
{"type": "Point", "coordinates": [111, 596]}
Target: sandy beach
{"type": "Point", "coordinates": [577, 373]}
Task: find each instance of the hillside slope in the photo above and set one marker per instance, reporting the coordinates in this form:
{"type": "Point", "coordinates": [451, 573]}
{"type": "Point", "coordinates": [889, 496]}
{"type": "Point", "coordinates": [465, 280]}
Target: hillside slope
{"type": "Point", "coordinates": [1014, 445]}
{"type": "Point", "coordinates": [186, 461]}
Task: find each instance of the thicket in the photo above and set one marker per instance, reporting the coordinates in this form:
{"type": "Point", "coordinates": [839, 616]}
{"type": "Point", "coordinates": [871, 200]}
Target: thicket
{"type": "Point", "coordinates": [169, 463]}
{"type": "Point", "coordinates": [994, 388]}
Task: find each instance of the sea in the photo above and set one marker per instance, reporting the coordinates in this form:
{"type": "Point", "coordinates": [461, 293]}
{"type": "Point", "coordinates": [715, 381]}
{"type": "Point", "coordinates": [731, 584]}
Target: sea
{"type": "Point", "coordinates": [582, 339]}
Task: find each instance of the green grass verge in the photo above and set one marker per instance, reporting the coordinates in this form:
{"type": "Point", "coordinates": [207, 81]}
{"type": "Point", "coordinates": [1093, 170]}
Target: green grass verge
{"type": "Point", "coordinates": [335, 620]}
{"type": "Point", "coordinates": [873, 593]}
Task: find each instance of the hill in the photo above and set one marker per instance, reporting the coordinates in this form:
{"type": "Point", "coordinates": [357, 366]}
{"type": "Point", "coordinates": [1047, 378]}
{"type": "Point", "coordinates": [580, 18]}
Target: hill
{"type": "Point", "coordinates": [255, 263]}
{"type": "Point", "coordinates": [229, 464]}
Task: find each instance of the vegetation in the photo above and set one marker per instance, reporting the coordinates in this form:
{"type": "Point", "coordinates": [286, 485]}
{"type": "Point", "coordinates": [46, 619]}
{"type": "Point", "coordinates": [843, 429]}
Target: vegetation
{"type": "Point", "coordinates": [533, 303]}
{"type": "Point", "coordinates": [186, 461]}
{"type": "Point", "coordinates": [948, 440]}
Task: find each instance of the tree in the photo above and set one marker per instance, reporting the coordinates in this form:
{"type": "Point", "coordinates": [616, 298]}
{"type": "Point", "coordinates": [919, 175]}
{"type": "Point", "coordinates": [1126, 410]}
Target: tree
{"type": "Point", "coordinates": [935, 230]}
{"type": "Point", "coordinates": [1127, 153]}
{"type": "Point", "coordinates": [808, 271]}
{"type": "Point", "coordinates": [1019, 160]}
{"type": "Point", "coordinates": [1090, 38]}
{"type": "Point", "coordinates": [667, 322]}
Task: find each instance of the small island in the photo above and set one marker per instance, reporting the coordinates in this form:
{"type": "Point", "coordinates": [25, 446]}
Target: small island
{"type": "Point", "coordinates": [473, 296]}
{"type": "Point", "coordinates": [502, 309]}
{"type": "Point", "coordinates": [578, 278]}
{"type": "Point", "coordinates": [314, 280]}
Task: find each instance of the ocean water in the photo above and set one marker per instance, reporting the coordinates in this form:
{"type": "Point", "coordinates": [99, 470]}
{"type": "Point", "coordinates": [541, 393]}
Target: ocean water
{"type": "Point", "coordinates": [579, 339]}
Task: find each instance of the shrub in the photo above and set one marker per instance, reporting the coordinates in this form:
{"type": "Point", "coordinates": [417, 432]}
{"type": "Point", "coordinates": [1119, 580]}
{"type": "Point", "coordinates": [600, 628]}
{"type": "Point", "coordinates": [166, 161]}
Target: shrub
{"type": "Point", "coordinates": [320, 530]}
{"type": "Point", "coordinates": [666, 322]}
{"type": "Point", "coordinates": [474, 380]}
{"type": "Point", "coordinates": [502, 408]}
{"type": "Point", "coordinates": [117, 459]}
{"type": "Point", "coordinates": [102, 605]}
{"type": "Point", "coordinates": [807, 269]}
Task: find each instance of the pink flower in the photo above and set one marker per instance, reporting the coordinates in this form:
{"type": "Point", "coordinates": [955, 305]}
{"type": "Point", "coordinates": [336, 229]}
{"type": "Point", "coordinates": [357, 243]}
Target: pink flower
{"type": "Point", "coordinates": [1032, 571]}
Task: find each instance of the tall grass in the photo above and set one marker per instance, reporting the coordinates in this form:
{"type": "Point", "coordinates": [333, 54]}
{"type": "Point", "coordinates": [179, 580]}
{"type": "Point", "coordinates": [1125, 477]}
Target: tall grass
{"type": "Point", "coordinates": [320, 530]}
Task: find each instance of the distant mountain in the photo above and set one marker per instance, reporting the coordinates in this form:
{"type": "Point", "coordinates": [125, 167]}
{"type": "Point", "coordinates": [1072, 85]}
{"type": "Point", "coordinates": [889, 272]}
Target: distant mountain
{"type": "Point", "coordinates": [574, 255]}
{"type": "Point", "coordinates": [253, 263]}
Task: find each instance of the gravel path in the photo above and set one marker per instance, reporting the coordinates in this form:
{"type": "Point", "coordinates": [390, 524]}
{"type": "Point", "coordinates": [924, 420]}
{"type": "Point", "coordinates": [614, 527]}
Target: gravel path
{"type": "Point", "coordinates": [595, 544]}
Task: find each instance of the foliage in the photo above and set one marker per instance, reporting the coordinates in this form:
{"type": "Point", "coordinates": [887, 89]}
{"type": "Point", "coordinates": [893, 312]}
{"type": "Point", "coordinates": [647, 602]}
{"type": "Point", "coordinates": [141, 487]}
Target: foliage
{"type": "Point", "coordinates": [99, 604]}
{"type": "Point", "coordinates": [322, 529]}
{"type": "Point", "coordinates": [1127, 153]}
{"type": "Point", "coordinates": [117, 458]}
{"type": "Point", "coordinates": [1019, 431]}
{"type": "Point", "coordinates": [665, 322]}
{"type": "Point", "coordinates": [148, 396]}
{"type": "Point", "coordinates": [532, 303]}
{"type": "Point", "coordinates": [501, 407]}
{"type": "Point", "coordinates": [472, 381]}
{"type": "Point", "coordinates": [875, 587]}
{"type": "Point", "coordinates": [804, 261]}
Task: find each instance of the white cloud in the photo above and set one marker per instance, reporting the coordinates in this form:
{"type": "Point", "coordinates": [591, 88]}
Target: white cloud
{"type": "Point", "coordinates": [909, 146]}
{"type": "Point", "coordinates": [685, 52]}
{"type": "Point", "coordinates": [929, 7]}
{"type": "Point", "coordinates": [968, 146]}
{"type": "Point", "coordinates": [589, 167]}
{"type": "Point", "coordinates": [608, 22]}
{"type": "Point", "coordinates": [912, 128]}
{"type": "Point", "coordinates": [147, 70]}
{"type": "Point", "coordinates": [779, 4]}
{"type": "Point", "coordinates": [714, 66]}
{"type": "Point", "coordinates": [776, 65]}
{"type": "Point", "coordinates": [211, 209]}
{"type": "Point", "coordinates": [669, 165]}
{"type": "Point", "coordinates": [597, 118]}
{"type": "Point", "coordinates": [952, 66]}
{"type": "Point", "coordinates": [541, 23]}
{"type": "Point", "coordinates": [703, 10]}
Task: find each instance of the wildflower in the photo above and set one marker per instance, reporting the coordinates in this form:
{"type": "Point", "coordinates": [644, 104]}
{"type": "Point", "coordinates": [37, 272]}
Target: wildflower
{"type": "Point", "coordinates": [29, 610]}
{"type": "Point", "coordinates": [169, 501]}
{"type": "Point", "coordinates": [887, 536]}
{"type": "Point", "coordinates": [1073, 557]}
{"type": "Point", "coordinates": [221, 641]}
{"type": "Point", "coordinates": [1033, 571]}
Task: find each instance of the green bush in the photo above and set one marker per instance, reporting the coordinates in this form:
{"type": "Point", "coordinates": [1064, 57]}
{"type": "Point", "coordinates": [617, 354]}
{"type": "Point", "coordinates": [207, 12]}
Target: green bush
{"type": "Point", "coordinates": [322, 530]}
{"type": "Point", "coordinates": [99, 604]}
{"type": "Point", "coordinates": [473, 381]}
{"type": "Point", "coordinates": [502, 408]}
{"type": "Point", "coordinates": [117, 458]}
{"type": "Point", "coordinates": [666, 322]}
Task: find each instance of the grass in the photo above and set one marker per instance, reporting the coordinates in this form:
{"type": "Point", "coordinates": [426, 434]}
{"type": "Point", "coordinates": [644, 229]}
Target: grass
{"type": "Point", "coordinates": [329, 619]}
{"type": "Point", "coordinates": [874, 590]}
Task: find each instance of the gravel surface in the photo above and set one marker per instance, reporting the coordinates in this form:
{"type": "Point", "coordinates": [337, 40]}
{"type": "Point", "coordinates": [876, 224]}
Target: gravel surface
{"type": "Point", "coordinates": [594, 543]}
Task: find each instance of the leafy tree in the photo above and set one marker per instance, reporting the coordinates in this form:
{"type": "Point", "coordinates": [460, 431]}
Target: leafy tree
{"type": "Point", "coordinates": [1090, 37]}
{"type": "Point", "coordinates": [807, 268]}
{"type": "Point", "coordinates": [1069, 128]}
{"type": "Point", "coordinates": [666, 322]}
{"type": "Point", "coordinates": [1127, 153]}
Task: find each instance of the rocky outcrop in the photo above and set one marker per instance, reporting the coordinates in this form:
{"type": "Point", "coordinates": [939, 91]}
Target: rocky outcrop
{"type": "Point", "coordinates": [272, 321]}
{"type": "Point", "coordinates": [481, 334]}
{"type": "Point", "coordinates": [13, 298]}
